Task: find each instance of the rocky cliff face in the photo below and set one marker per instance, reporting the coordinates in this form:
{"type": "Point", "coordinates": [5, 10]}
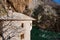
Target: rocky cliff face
{"type": "Point", "coordinates": [17, 5]}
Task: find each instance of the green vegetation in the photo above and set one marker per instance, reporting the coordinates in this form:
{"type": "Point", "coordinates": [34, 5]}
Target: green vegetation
{"type": "Point", "coordinates": [38, 34]}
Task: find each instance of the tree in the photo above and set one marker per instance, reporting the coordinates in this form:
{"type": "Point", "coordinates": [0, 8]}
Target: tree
{"type": "Point", "coordinates": [47, 17]}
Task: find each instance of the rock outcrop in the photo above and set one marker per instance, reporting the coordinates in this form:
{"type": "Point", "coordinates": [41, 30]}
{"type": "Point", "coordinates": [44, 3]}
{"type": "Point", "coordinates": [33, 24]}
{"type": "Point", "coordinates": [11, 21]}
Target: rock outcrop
{"type": "Point", "coordinates": [18, 5]}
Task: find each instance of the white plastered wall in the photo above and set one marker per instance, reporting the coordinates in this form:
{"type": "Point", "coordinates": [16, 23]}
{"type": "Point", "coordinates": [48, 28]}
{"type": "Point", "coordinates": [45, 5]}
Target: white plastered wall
{"type": "Point", "coordinates": [27, 29]}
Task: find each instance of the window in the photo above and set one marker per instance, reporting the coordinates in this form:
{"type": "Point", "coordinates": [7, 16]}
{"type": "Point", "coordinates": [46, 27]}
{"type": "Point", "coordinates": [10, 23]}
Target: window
{"type": "Point", "coordinates": [22, 25]}
{"type": "Point", "coordinates": [22, 36]}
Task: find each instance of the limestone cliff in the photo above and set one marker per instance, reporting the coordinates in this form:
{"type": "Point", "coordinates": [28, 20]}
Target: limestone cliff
{"type": "Point", "coordinates": [19, 5]}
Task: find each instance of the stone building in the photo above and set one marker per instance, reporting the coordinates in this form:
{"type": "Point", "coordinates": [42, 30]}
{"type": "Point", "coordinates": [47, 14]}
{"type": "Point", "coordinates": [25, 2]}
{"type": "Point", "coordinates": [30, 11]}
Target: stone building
{"type": "Point", "coordinates": [18, 28]}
